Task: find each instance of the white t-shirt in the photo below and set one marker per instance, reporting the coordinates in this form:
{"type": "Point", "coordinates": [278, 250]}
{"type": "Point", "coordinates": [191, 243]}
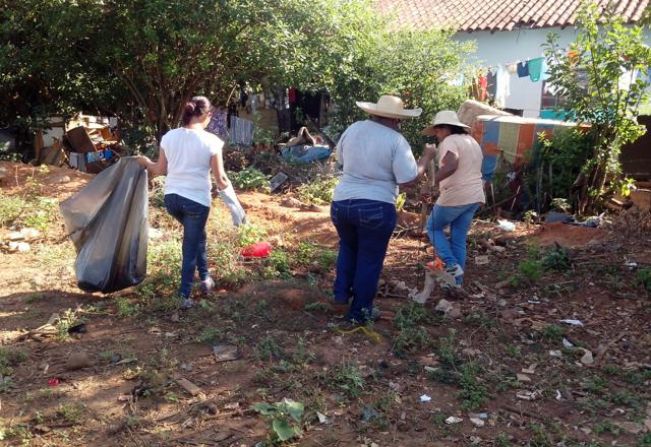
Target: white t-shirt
{"type": "Point", "coordinates": [376, 159]}
{"type": "Point", "coordinates": [465, 185]}
{"type": "Point", "coordinates": [188, 153]}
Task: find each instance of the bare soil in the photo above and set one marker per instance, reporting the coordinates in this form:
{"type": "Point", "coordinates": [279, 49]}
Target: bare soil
{"type": "Point", "coordinates": [114, 383]}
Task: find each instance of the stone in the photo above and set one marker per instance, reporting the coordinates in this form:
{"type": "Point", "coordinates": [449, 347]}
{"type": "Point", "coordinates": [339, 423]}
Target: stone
{"type": "Point", "coordinates": [453, 420]}
{"type": "Point", "coordinates": [477, 422]}
{"type": "Point", "coordinates": [523, 377]}
{"type": "Point", "coordinates": [587, 358]}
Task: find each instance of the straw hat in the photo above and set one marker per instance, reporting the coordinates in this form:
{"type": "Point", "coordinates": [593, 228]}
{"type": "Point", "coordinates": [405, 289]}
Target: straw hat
{"type": "Point", "coordinates": [444, 117]}
{"type": "Point", "coordinates": [389, 107]}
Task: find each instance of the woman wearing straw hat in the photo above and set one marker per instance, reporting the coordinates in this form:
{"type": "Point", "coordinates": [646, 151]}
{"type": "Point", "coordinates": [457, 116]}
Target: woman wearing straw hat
{"type": "Point", "coordinates": [461, 190]}
{"type": "Point", "coordinates": [376, 158]}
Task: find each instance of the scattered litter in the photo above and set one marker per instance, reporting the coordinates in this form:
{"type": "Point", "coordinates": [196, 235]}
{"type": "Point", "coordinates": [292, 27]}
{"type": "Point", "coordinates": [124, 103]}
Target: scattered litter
{"type": "Point", "coordinates": [523, 378]}
{"type": "Point", "coordinates": [369, 413]}
{"type": "Point", "coordinates": [323, 419]}
{"type": "Point", "coordinates": [559, 396]}
{"type": "Point", "coordinates": [453, 420]}
{"type": "Point", "coordinates": [505, 225]}
{"type": "Point", "coordinates": [587, 358]}
{"type": "Point", "coordinates": [257, 250]}
{"type": "Point", "coordinates": [78, 329]}
{"type": "Point", "coordinates": [482, 260]}
{"type": "Point", "coordinates": [567, 344]}
{"type": "Point", "coordinates": [527, 395]}
{"type": "Point", "coordinates": [225, 353]}
{"type": "Point", "coordinates": [631, 265]}
{"type": "Point", "coordinates": [425, 398]}
{"type": "Point", "coordinates": [571, 322]}
{"type": "Point", "coordinates": [556, 353]}
{"type": "Point", "coordinates": [447, 309]}
{"type": "Point", "coordinates": [277, 180]}
{"type": "Point", "coordinates": [53, 382]}
{"type": "Point", "coordinates": [477, 422]}
{"type": "Point", "coordinates": [154, 233]}
{"type": "Point", "coordinates": [483, 416]}
{"type": "Point", "coordinates": [531, 369]}
{"type": "Point", "coordinates": [20, 247]}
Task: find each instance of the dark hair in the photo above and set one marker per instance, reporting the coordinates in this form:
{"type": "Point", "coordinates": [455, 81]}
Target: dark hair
{"type": "Point", "coordinates": [454, 130]}
{"type": "Point", "coordinates": [197, 106]}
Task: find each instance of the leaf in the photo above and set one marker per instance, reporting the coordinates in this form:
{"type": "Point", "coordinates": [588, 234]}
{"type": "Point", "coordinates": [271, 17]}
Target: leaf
{"type": "Point", "coordinates": [295, 409]}
{"type": "Point", "coordinates": [283, 430]}
{"type": "Point", "coordinates": [264, 408]}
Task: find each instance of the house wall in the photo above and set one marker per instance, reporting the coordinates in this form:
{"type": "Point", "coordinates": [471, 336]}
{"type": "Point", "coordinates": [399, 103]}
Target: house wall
{"type": "Point", "coordinates": [503, 47]}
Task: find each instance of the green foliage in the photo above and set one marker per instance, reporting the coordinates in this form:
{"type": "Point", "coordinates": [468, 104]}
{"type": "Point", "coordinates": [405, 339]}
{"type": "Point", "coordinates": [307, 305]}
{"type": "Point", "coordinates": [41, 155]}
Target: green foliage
{"type": "Point", "coordinates": [269, 349]}
{"type": "Point", "coordinates": [126, 308]}
{"type": "Point", "coordinates": [588, 76]}
{"type": "Point", "coordinates": [33, 212]}
{"type": "Point", "coordinates": [249, 178]}
{"type": "Point", "coordinates": [553, 333]}
{"type": "Point", "coordinates": [400, 201]}
{"type": "Point", "coordinates": [348, 378]}
{"type": "Point", "coordinates": [556, 163]}
{"type": "Point", "coordinates": [530, 270]}
{"type": "Point", "coordinates": [10, 358]}
{"type": "Point", "coordinates": [557, 258]}
{"type": "Point", "coordinates": [412, 336]}
{"type": "Point", "coordinates": [318, 191]}
{"type": "Point", "coordinates": [643, 278]}
{"type": "Point", "coordinates": [250, 234]}
{"type": "Point", "coordinates": [473, 392]}
{"type": "Point", "coordinates": [285, 418]}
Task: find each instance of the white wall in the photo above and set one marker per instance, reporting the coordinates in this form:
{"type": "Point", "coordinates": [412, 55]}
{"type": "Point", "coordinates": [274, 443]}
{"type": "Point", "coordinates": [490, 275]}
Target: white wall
{"type": "Point", "coordinates": [504, 47]}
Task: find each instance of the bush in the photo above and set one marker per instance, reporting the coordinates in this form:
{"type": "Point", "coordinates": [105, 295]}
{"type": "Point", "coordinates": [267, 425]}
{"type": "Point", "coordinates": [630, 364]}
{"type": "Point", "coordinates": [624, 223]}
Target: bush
{"type": "Point", "coordinates": [318, 191]}
{"type": "Point", "coordinates": [249, 179]}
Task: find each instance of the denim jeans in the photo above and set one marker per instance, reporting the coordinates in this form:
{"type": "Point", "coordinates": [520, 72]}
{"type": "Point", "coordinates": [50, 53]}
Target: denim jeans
{"type": "Point", "coordinates": [364, 228]}
{"type": "Point", "coordinates": [193, 216]}
{"type": "Point", "coordinates": [452, 250]}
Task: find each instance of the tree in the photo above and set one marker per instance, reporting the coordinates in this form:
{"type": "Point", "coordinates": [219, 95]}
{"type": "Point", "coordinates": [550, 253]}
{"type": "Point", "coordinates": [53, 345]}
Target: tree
{"type": "Point", "coordinates": [597, 76]}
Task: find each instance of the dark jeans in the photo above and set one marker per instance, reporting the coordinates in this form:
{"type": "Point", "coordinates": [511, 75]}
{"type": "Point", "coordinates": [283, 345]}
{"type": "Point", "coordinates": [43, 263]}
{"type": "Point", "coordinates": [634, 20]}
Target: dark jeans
{"type": "Point", "coordinates": [364, 228]}
{"type": "Point", "coordinates": [193, 216]}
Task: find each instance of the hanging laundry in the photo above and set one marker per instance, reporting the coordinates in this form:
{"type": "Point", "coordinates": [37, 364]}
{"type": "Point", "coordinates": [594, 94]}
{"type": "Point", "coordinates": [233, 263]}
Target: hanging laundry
{"type": "Point", "coordinates": [512, 68]}
{"type": "Point", "coordinates": [219, 124]}
{"type": "Point", "coordinates": [535, 68]}
{"type": "Point", "coordinates": [241, 131]}
{"type": "Point", "coordinates": [503, 86]}
{"type": "Point", "coordinates": [491, 84]}
{"type": "Point", "coordinates": [523, 69]}
{"type": "Point", "coordinates": [483, 87]}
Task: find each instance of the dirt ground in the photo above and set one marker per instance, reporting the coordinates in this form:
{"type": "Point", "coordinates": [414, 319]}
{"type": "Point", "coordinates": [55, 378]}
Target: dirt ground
{"type": "Point", "coordinates": [550, 345]}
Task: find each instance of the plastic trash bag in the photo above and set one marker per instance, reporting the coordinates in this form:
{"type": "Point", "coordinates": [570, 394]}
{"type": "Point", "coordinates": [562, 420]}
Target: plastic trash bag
{"type": "Point", "coordinates": [107, 222]}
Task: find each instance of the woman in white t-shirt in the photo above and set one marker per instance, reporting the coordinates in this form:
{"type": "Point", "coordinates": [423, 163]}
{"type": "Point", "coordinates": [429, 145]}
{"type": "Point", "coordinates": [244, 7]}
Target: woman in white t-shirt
{"type": "Point", "coordinates": [461, 190]}
{"type": "Point", "coordinates": [187, 156]}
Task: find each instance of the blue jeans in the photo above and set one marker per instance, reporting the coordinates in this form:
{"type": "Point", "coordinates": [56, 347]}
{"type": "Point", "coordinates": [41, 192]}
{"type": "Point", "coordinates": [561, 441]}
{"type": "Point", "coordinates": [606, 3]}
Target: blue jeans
{"type": "Point", "coordinates": [364, 228]}
{"type": "Point", "coordinates": [451, 250]}
{"type": "Point", "coordinates": [193, 216]}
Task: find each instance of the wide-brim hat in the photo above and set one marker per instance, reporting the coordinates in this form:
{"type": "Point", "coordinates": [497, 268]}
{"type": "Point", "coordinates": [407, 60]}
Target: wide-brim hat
{"type": "Point", "coordinates": [389, 107]}
{"type": "Point", "coordinates": [448, 117]}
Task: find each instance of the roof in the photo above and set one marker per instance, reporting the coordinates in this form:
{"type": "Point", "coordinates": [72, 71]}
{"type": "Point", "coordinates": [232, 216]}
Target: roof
{"type": "Point", "coordinates": [496, 15]}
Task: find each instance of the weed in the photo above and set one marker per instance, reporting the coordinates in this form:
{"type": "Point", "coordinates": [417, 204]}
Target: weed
{"type": "Point", "coordinates": [348, 378]}
{"type": "Point", "coordinates": [268, 349]}
{"type": "Point", "coordinates": [643, 278]}
{"type": "Point", "coordinates": [595, 385]}
{"type": "Point", "coordinates": [412, 335]}
{"type": "Point", "coordinates": [513, 351]}
{"type": "Point", "coordinates": [249, 179]}
{"type": "Point", "coordinates": [11, 208]}
{"type": "Point", "coordinates": [530, 270]}
{"type": "Point", "coordinates": [250, 234]}
{"type": "Point", "coordinates": [65, 322]}
{"type": "Point", "coordinates": [318, 191]}
{"type": "Point", "coordinates": [210, 335]}
{"type": "Point", "coordinates": [606, 427]}
{"type": "Point", "coordinates": [285, 418]}
{"type": "Point", "coordinates": [279, 261]}
{"type": "Point", "coordinates": [70, 413]}
{"type": "Point", "coordinates": [400, 201]}
{"type": "Point", "coordinates": [540, 437]}
{"type": "Point", "coordinates": [503, 440]}
{"type": "Point", "coordinates": [553, 333]}
{"type": "Point", "coordinates": [301, 356]}
{"type": "Point", "coordinates": [645, 441]}
{"type": "Point", "coordinates": [479, 319]}
{"type": "Point", "coordinates": [557, 259]}
{"type": "Point", "coordinates": [10, 358]}
{"type": "Point", "coordinates": [317, 306]}
{"type": "Point", "coordinates": [19, 431]}
{"type": "Point", "coordinates": [473, 393]}
{"type": "Point", "coordinates": [126, 308]}
{"type": "Point", "coordinates": [447, 351]}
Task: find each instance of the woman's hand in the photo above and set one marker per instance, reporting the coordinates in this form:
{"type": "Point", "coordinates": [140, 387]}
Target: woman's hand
{"type": "Point", "coordinates": [429, 151]}
{"type": "Point", "coordinates": [144, 161]}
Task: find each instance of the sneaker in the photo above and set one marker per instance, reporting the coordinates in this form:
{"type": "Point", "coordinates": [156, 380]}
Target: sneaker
{"type": "Point", "coordinates": [455, 270]}
{"type": "Point", "coordinates": [186, 304]}
{"type": "Point", "coordinates": [207, 285]}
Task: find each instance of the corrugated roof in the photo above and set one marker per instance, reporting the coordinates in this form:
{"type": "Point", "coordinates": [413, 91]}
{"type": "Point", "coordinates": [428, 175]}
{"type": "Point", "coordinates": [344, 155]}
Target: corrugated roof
{"type": "Point", "coordinates": [496, 15]}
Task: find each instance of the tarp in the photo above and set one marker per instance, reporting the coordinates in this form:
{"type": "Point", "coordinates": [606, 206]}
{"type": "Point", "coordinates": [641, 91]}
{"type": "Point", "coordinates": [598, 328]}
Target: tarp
{"type": "Point", "coordinates": [107, 222]}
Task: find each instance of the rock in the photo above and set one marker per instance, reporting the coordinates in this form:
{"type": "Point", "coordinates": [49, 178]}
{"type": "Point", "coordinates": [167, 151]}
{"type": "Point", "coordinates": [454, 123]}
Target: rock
{"type": "Point", "coordinates": [482, 260]}
{"type": "Point", "coordinates": [477, 422]}
{"type": "Point", "coordinates": [555, 353]}
{"type": "Point", "coordinates": [453, 420]}
{"type": "Point", "coordinates": [15, 236]}
{"type": "Point", "coordinates": [587, 358]}
{"type": "Point", "coordinates": [64, 179]}
{"type": "Point", "coordinates": [21, 247]}
{"type": "Point", "coordinates": [42, 428]}
{"type": "Point", "coordinates": [188, 386]}
{"type": "Point", "coordinates": [225, 353]}
{"type": "Point", "coordinates": [527, 395]}
{"type": "Point", "coordinates": [444, 307]}
{"type": "Point", "coordinates": [78, 360]}
{"type": "Point", "coordinates": [29, 234]}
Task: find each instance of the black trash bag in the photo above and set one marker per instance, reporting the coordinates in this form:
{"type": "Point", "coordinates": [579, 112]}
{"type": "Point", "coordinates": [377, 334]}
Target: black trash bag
{"type": "Point", "coordinates": [107, 222]}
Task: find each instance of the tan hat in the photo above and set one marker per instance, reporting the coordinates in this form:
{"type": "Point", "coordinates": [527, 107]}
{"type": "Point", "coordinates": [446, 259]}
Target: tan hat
{"type": "Point", "coordinates": [389, 107]}
{"type": "Point", "coordinates": [444, 117]}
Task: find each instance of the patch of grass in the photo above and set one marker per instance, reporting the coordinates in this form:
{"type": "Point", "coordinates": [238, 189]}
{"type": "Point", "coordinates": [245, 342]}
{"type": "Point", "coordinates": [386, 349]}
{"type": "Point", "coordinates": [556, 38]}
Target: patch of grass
{"type": "Point", "coordinates": [68, 319]}
{"type": "Point", "coordinates": [503, 440]}
{"type": "Point", "coordinates": [348, 378]}
{"type": "Point", "coordinates": [210, 335]}
{"type": "Point", "coordinates": [606, 427]}
{"type": "Point", "coordinates": [19, 432]}
{"type": "Point", "coordinates": [553, 333]}
{"type": "Point", "coordinates": [479, 319]}
{"type": "Point", "coordinates": [269, 349]}
{"type": "Point", "coordinates": [645, 441]}
{"type": "Point", "coordinates": [557, 258]}
{"type": "Point", "coordinates": [412, 335]}
{"type": "Point", "coordinates": [249, 179]}
{"type": "Point", "coordinates": [540, 437]}
{"type": "Point", "coordinates": [643, 278]}
{"type": "Point", "coordinates": [318, 191]}
{"type": "Point", "coordinates": [70, 413]}
{"type": "Point", "coordinates": [474, 393]}
{"type": "Point", "coordinates": [278, 260]}
{"type": "Point", "coordinates": [317, 306]}
{"type": "Point", "coordinates": [530, 270]}
{"type": "Point", "coordinates": [126, 308]}
{"type": "Point", "coordinates": [11, 207]}
{"type": "Point", "coordinates": [9, 358]}
{"type": "Point", "coordinates": [250, 234]}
